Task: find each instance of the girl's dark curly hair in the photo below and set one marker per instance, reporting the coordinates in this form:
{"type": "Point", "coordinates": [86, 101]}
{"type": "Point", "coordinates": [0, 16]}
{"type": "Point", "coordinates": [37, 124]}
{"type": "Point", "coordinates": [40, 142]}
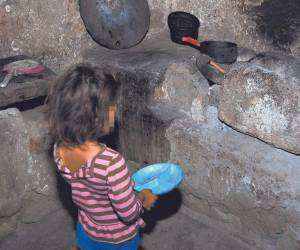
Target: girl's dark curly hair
{"type": "Point", "coordinates": [78, 105]}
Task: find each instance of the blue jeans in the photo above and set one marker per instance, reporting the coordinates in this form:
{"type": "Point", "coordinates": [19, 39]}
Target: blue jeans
{"type": "Point", "coordinates": [86, 243]}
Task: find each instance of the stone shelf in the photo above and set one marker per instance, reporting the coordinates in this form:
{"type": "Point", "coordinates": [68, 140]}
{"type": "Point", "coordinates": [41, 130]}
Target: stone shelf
{"type": "Point", "coordinates": [22, 88]}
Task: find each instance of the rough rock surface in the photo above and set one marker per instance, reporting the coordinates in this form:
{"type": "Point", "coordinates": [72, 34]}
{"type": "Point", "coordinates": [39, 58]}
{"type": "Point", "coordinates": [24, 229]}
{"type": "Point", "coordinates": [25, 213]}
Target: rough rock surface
{"type": "Point", "coordinates": [165, 86]}
{"type": "Point", "coordinates": [15, 168]}
{"type": "Point", "coordinates": [53, 232]}
{"type": "Point", "coordinates": [166, 230]}
{"type": "Point", "coordinates": [48, 30]}
{"type": "Point", "coordinates": [43, 222]}
{"type": "Point", "coordinates": [26, 169]}
{"type": "Point", "coordinates": [28, 24]}
{"type": "Point", "coordinates": [237, 183]}
{"type": "Point", "coordinates": [259, 24]}
{"type": "Point", "coordinates": [245, 54]}
{"type": "Point", "coordinates": [234, 182]}
{"type": "Point", "coordinates": [43, 179]}
{"type": "Point", "coordinates": [261, 98]}
{"type": "Point", "coordinates": [183, 92]}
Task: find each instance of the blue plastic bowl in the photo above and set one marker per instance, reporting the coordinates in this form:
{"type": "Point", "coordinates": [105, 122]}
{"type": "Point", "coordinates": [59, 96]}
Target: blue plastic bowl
{"type": "Point", "coordinates": [161, 178]}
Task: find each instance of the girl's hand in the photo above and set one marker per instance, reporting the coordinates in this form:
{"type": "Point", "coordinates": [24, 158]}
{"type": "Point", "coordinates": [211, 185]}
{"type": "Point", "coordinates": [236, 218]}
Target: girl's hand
{"type": "Point", "coordinates": [147, 198]}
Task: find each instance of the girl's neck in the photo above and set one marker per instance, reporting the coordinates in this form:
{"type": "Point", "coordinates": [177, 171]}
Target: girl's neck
{"type": "Point", "coordinates": [90, 145]}
{"type": "Point", "coordinates": [74, 157]}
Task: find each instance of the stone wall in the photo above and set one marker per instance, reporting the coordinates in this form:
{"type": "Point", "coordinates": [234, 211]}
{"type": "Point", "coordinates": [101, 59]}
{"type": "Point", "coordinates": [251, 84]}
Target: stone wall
{"type": "Point", "coordinates": [26, 169]}
{"type": "Point", "coordinates": [48, 30]}
{"type": "Point", "coordinates": [238, 142]}
{"type": "Point", "coordinates": [244, 186]}
{"type": "Point", "coordinates": [235, 182]}
{"type": "Point", "coordinates": [54, 32]}
{"type": "Point", "coordinates": [255, 24]}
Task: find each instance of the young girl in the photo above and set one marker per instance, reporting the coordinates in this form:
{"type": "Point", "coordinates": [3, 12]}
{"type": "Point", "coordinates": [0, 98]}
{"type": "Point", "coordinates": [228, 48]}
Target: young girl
{"type": "Point", "coordinates": [81, 108]}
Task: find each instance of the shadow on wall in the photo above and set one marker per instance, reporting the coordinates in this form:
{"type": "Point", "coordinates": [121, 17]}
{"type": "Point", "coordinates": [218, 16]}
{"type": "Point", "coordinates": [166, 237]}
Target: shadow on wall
{"type": "Point", "coordinates": [166, 206]}
{"type": "Point", "coordinates": [64, 190]}
{"type": "Point", "coordinates": [65, 196]}
{"type": "Point", "coordinates": [278, 21]}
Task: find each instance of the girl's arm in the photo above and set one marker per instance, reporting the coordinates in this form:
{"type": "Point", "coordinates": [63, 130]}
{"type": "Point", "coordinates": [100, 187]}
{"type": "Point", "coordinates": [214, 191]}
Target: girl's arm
{"type": "Point", "coordinates": [124, 200]}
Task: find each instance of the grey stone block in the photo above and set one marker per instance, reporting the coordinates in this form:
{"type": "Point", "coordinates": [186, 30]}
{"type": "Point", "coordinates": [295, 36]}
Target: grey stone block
{"type": "Point", "coordinates": [239, 183]}
{"type": "Point", "coordinates": [14, 167]}
{"type": "Point", "coordinates": [261, 98]}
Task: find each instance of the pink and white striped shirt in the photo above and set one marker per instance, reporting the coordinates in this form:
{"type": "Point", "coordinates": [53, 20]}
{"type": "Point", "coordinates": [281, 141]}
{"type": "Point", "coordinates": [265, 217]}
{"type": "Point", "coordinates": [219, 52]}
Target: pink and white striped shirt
{"type": "Point", "coordinates": [109, 210]}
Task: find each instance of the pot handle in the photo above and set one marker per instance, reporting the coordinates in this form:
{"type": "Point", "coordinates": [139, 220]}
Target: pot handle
{"type": "Point", "coordinates": [217, 67]}
{"type": "Point", "coordinates": [195, 42]}
{"type": "Point", "coordinates": [191, 41]}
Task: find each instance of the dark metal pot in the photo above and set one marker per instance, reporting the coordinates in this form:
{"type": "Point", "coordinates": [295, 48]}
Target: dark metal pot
{"type": "Point", "coordinates": [183, 24]}
{"type": "Point", "coordinates": [221, 52]}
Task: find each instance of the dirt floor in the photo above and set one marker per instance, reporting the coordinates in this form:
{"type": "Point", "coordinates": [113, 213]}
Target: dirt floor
{"type": "Point", "coordinates": [168, 228]}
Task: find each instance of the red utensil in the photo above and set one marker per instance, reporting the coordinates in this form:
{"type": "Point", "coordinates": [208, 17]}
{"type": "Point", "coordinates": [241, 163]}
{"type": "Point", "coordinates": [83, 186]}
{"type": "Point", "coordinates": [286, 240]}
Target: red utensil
{"type": "Point", "coordinates": [197, 43]}
{"type": "Point", "coordinates": [191, 41]}
{"type": "Point", "coordinates": [22, 67]}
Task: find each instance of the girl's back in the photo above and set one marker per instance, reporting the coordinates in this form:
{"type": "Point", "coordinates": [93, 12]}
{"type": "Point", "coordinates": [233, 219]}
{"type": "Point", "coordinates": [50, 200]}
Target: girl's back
{"type": "Point", "coordinates": [81, 108]}
{"type": "Point", "coordinates": [102, 189]}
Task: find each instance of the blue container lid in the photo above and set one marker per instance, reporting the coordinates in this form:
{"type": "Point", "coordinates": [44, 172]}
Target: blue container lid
{"type": "Point", "coordinates": [161, 178]}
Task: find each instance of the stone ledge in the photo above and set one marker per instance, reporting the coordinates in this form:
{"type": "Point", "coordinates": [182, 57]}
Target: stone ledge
{"type": "Point", "coordinates": [22, 88]}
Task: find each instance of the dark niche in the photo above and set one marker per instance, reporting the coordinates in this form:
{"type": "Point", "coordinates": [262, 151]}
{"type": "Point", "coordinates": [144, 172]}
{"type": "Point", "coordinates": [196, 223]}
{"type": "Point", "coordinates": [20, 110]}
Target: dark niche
{"type": "Point", "coordinates": [278, 21]}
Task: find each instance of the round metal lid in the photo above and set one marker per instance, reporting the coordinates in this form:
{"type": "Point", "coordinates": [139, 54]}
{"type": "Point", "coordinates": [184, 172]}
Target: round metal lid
{"type": "Point", "coordinates": [116, 24]}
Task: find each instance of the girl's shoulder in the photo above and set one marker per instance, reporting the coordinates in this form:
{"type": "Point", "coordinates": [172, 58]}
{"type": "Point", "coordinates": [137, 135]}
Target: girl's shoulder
{"type": "Point", "coordinates": [109, 152]}
{"type": "Point", "coordinates": [108, 156]}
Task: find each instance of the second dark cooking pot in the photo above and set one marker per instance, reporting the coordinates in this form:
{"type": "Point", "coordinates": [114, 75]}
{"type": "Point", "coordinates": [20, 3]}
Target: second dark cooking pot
{"type": "Point", "coordinates": [221, 52]}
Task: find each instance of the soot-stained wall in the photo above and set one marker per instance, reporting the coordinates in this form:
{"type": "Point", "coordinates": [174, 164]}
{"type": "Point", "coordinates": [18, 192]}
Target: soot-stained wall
{"type": "Point", "coordinates": [54, 32]}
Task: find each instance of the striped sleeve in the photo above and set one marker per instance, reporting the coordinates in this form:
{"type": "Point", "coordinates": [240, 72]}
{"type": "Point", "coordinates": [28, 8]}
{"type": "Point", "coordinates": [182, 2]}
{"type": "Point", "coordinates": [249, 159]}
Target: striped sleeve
{"type": "Point", "coordinates": [124, 201]}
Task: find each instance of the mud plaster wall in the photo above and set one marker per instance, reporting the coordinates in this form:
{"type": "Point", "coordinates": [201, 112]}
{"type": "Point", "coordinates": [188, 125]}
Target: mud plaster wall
{"type": "Point", "coordinates": [53, 30]}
